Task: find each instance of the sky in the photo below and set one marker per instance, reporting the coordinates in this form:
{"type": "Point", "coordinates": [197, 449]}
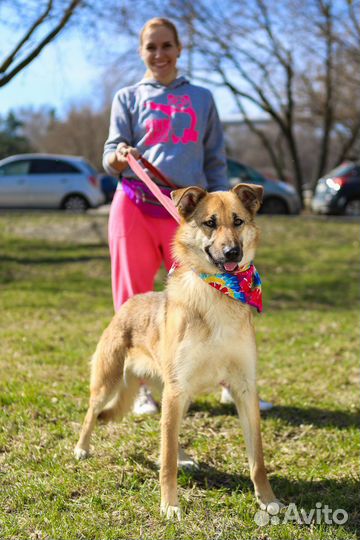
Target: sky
{"type": "Point", "coordinates": [60, 76]}
{"type": "Point", "coordinates": [63, 75]}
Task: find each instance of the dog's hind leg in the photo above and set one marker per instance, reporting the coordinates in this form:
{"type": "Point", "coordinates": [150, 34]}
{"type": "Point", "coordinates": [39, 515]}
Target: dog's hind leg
{"type": "Point", "coordinates": [247, 404]}
{"type": "Point", "coordinates": [98, 401]}
{"type": "Point", "coordinates": [105, 405]}
{"type": "Point", "coordinates": [106, 387]}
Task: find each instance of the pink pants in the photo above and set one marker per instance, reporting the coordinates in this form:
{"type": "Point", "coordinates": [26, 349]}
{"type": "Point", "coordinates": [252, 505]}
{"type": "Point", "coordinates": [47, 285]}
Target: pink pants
{"type": "Point", "coordinates": [138, 245]}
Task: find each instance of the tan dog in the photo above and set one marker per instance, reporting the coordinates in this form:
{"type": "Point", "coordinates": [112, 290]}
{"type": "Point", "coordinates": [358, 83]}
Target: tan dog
{"type": "Point", "coordinates": [190, 336]}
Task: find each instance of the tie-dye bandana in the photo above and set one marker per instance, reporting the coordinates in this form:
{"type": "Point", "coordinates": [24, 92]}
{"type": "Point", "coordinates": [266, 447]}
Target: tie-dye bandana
{"type": "Point", "coordinates": [244, 285]}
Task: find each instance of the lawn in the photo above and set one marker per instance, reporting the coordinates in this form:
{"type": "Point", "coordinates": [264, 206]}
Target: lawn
{"type": "Point", "coordinates": [55, 301]}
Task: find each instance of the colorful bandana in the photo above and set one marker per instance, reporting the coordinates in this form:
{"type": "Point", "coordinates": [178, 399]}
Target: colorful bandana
{"type": "Point", "coordinates": [244, 285]}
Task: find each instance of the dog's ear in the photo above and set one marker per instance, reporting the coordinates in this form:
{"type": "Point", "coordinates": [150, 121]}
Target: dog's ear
{"type": "Point", "coordinates": [251, 195]}
{"type": "Point", "coordinates": [187, 199]}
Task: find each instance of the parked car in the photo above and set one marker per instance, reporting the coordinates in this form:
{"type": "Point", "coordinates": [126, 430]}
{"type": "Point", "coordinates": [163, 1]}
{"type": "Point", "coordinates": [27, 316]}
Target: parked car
{"type": "Point", "coordinates": [49, 181]}
{"type": "Point", "coordinates": [108, 185]}
{"type": "Point", "coordinates": [338, 191]}
{"type": "Point", "coordinates": [279, 197]}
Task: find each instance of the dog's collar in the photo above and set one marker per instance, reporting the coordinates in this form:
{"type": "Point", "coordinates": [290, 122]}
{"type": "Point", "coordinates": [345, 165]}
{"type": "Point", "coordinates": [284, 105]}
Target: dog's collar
{"type": "Point", "coordinates": [244, 285]}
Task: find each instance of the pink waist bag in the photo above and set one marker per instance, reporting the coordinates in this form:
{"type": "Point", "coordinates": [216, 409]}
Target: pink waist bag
{"type": "Point", "coordinates": [140, 195]}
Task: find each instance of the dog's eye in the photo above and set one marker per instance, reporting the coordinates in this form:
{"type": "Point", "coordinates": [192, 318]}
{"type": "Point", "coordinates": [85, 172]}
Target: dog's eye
{"type": "Point", "coordinates": [211, 223]}
{"type": "Point", "coordinates": [238, 222]}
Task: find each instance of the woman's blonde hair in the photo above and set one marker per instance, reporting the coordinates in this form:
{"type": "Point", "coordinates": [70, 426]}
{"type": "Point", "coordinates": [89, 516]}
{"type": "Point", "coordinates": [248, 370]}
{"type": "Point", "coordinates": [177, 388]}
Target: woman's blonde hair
{"type": "Point", "coordinates": [160, 21]}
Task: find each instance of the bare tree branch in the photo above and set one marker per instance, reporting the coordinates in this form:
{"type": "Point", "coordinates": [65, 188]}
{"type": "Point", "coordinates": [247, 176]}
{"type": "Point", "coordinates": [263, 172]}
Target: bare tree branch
{"type": "Point", "coordinates": [348, 143]}
{"type": "Point", "coordinates": [9, 60]}
{"type": "Point", "coordinates": [68, 13]}
{"type": "Point", "coordinates": [274, 157]}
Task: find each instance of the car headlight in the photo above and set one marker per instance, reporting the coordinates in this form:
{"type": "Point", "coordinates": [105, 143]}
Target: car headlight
{"type": "Point", "coordinates": [333, 186]}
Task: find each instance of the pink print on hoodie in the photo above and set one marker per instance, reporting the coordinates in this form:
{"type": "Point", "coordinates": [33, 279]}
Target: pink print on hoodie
{"type": "Point", "coordinates": [160, 130]}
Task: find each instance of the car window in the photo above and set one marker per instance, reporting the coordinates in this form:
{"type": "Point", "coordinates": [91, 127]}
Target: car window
{"type": "Point", "coordinates": [244, 173]}
{"type": "Point", "coordinates": [254, 176]}
{"type": "Point", "coordinates": [89, 168]}
{"type": "Point", "coordinates": [51, 166]}
{"type": "Point", "coordinates": [235, 170]}
{"type": "Point", "coordinates": [356, 171]}
{"type": "Point", "coordinates": [344, 168]}
{"type": "Point", "coordinates": [15, 168]}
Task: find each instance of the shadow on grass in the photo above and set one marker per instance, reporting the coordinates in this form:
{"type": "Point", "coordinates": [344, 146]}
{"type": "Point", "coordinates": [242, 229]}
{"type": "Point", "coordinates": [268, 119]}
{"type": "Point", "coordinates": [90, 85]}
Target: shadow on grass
{"type": "Point", "coordinates": [303, 493]}
{"type": "Point", "coordinates": [317, 417]}
{"type": "Point", "coordinates": [291, 415]}
{"type": "Point", "coordinates": [335, 493]}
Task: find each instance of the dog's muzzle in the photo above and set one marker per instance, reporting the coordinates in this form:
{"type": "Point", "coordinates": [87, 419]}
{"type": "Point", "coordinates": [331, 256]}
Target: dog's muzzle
{"type": "Point", "coordinates": [231, 254]}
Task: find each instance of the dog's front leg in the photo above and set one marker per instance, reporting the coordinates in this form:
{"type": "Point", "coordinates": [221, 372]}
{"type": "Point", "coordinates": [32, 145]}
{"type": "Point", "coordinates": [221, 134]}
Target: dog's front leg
{"type": "Point", "coordinates": [171, 414]}
{"type": "Point", "coordinates": [247, 404]}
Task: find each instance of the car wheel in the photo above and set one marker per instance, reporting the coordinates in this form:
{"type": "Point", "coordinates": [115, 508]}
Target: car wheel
{"type": "Point", "coordinates": [352, 208]}
{"type": "Point", "coordinates": [273, 205]}
{"type": "Point", "coordinates": [75, 203]}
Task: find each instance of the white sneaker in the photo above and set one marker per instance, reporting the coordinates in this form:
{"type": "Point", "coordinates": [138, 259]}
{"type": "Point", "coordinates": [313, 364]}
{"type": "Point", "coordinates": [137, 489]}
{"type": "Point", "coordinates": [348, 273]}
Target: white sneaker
{"type": "Point", "coordinates": [185, 461]}
{"type": "Point", "coordinates": [144, 403]}
{"type": "Point", "coordinates": [265, 405]}
{"type": "Point", "coordinates": [227, 398]}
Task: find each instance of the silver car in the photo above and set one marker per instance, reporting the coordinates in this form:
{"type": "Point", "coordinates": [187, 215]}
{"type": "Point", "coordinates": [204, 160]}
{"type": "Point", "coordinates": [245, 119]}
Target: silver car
{"type": "Point", "coordinates": [49, 181]}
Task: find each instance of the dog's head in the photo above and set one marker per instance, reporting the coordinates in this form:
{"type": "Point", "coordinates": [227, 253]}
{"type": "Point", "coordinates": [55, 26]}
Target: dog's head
{"type": "Point", "coordinates": [217, 231]}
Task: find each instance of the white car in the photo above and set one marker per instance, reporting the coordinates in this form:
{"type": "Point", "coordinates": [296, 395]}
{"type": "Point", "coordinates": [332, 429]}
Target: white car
{"type": "Point", "coordinates": [49, 181]}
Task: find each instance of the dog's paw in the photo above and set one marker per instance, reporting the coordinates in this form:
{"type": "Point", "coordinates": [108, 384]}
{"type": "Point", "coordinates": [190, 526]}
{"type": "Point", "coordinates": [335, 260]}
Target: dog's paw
{"type": "Point", "coordinates": [80, 453]}
{"type": "Point", "coordinates": [170, 511]}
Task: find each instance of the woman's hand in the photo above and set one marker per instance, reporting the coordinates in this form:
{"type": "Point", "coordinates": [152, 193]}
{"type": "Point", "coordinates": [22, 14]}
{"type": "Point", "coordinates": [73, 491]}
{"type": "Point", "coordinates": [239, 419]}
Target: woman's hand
{"type": "Point", "coordinates": [118, 159]}
{"type": "Point", "coordinates": [122, 150]}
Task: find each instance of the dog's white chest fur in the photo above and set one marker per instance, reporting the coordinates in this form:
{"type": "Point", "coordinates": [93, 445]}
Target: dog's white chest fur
{"type": "Point", "coordinates": [218, 348]}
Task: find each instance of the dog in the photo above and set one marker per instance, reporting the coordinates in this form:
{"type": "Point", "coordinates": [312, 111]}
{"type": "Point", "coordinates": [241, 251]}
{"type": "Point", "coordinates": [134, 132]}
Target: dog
{"type": "Point", "coordinates": [190, 336]}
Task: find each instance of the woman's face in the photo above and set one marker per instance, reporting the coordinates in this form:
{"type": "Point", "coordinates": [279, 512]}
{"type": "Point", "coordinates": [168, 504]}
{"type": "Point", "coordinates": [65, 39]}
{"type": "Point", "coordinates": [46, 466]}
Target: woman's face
{"type": "Point", "coordinates": [159, 53]}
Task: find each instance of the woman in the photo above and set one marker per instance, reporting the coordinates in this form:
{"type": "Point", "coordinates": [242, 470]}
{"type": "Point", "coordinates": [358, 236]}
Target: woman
{"type": "Point", "coordinates": [175, 126]}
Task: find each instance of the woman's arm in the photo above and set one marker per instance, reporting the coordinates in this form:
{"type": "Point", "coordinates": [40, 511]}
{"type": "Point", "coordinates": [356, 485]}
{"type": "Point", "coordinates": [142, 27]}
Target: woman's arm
{"type": "Point", "coordinates": [118, 143]}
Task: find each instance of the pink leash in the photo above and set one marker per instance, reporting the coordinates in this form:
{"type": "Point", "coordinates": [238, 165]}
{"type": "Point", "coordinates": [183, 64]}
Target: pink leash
{"type": "Point", "coordinates": [140, 172]}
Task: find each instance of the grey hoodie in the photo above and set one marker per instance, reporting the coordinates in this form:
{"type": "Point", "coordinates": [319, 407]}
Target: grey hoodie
{"type": "Point", "coordinates": [175, 127]}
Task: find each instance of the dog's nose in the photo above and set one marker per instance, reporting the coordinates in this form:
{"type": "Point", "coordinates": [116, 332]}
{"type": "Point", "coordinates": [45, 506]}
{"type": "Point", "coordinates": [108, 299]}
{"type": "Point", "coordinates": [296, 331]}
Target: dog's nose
{"type": "Point", "coordinates": [232, 254]}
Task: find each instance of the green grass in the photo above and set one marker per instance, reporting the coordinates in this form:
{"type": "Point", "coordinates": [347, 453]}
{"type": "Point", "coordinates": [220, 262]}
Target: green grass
{"type": "Point", "coordinates": [55, 301]}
